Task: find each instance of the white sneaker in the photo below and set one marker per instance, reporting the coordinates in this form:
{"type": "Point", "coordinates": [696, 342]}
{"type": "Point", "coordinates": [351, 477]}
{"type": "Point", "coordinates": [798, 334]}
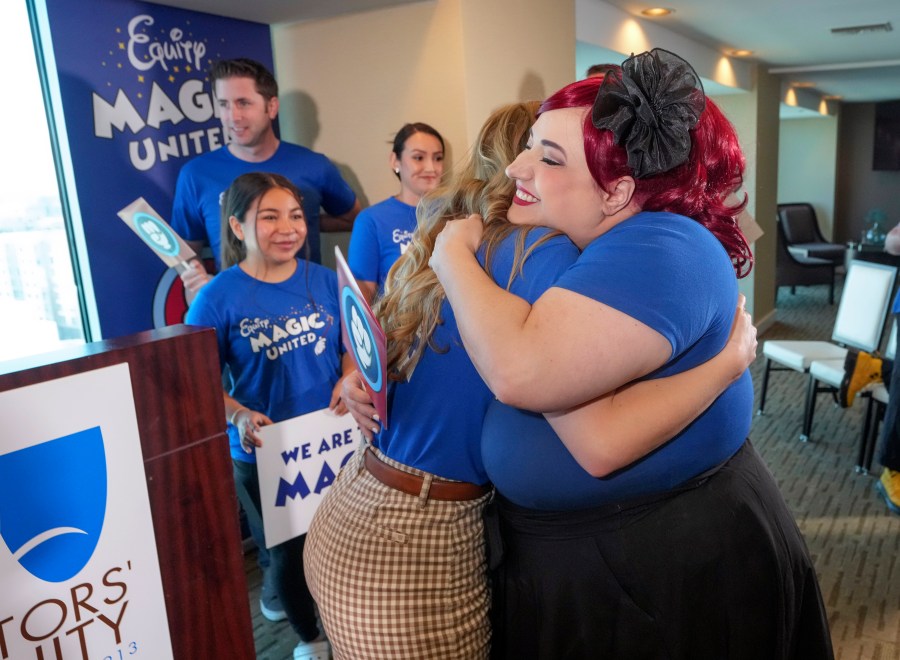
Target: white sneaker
{"type": "Point", "coordinates": [274, 613]}
{"type": "Point", "coordinates": [269, 602]}
{"type": "Point", "coordinates": [318, 649]}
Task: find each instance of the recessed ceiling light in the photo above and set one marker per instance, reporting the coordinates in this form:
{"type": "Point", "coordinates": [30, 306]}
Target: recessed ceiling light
{"type": "Point", "coordinates": [740, 52]}
{"type": "Point", "coordinates": [656, 12]}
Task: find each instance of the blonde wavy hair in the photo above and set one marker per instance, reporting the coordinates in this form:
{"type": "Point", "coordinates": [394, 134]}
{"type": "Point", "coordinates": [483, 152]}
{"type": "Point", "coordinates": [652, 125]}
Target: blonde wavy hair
{"type": "Point", "coordinates": [409, 309]}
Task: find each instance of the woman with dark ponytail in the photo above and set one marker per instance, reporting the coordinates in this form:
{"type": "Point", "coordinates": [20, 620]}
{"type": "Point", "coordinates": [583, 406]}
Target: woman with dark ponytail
{"type": "Point", "coordinates": [257, 305]}
{"type": "Point", "coordinates": [382, 232]}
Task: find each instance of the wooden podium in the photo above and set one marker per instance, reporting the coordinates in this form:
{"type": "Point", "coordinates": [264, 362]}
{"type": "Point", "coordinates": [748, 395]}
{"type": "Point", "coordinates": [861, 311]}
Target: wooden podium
{"type": "Point", "coordinates": [181, 420]}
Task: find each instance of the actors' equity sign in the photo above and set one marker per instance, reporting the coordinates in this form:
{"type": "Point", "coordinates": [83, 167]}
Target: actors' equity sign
{"type": "Point", "coordinates": [298, 461]}
{"type": "Point", "coordinates": [363, 336]}
{"type": "Point", "coordinates": [78, 565]}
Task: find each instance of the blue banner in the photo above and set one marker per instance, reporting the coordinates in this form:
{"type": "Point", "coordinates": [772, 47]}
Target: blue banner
{"type": "Point", "coordinates": [137, 106]}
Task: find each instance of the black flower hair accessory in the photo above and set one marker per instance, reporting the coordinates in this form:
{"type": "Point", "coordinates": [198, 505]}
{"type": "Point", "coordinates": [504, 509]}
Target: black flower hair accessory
{"type": "Point", "coordinates": [651, 110]}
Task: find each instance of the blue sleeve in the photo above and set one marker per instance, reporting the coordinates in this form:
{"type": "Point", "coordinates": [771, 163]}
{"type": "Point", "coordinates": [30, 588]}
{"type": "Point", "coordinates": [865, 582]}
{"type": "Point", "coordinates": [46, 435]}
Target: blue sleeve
{"type": "Point", "coordinates": [337, 196]}
{"type": "Point", "coordinates": [668, 272]}
{"type": "Point", "coordinates": [203, 312]}
{"type": "Point", "coordinates": [545, 263]}
{"type": "Point", "coordinates": [185, 220]}
{"type": "Point", "coordinates": [365, 254]}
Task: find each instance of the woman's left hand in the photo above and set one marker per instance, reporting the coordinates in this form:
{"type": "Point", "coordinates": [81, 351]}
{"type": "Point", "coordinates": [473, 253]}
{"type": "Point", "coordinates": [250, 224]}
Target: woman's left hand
{"type": "Point", "coordinates": [360, 405]}
{"type": "Point", "coordinates": [457, 235]}
{"type": "Point", "coordinates": [248, 422]}
{"type": "Point", "coordinates": [742, 343]}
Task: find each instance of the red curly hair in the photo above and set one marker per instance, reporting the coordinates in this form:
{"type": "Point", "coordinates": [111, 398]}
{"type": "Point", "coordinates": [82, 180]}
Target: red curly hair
{"type": "Point", "coordinates": [698, 189]}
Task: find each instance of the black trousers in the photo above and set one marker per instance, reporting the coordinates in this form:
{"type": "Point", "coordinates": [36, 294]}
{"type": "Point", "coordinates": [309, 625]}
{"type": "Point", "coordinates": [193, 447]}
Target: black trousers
{"type": "Point", "coordinates": [890, 429]}
{"type": "Point", "coordinates": [715, 569]}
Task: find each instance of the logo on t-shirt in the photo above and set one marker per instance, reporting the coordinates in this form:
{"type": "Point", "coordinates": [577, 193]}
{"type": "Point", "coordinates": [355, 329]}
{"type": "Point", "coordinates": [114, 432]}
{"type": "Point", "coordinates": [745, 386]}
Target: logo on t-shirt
{"type": "Point", "coordinates": [403, 237]}
{"type": "Point", "coordinates": [276, 337]}
{"type": "Point", "coordinates": [53, 503]}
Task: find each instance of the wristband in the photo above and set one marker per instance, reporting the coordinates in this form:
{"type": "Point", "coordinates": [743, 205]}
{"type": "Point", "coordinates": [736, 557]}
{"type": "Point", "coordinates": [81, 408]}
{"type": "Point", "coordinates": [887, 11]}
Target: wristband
{"type": "Point", "coordinates": [234, 414]}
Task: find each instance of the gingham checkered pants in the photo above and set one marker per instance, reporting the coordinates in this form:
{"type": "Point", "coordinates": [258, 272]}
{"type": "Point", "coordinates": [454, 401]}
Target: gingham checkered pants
{"type": "Point", "coordinates": [396, 575]}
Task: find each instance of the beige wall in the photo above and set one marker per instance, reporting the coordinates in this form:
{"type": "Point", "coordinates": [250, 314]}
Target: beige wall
{"type": "Point", "coordinates": [755, 117]}
{"type": "Point", "coordinates": [768, 99]}
{"type": "Point", "coordinates": [348, 83]}
{"type": "Point", "coordinates": [515, 50]}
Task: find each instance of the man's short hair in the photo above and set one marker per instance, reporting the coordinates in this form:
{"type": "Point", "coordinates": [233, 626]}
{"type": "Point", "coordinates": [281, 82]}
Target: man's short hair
{"type": "Point", "coordinates": [598, 70]}
{"type": "Point", "coordinates": [244, 67]}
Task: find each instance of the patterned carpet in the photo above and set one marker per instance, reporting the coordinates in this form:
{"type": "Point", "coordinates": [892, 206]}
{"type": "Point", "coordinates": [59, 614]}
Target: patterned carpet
{"type": "Point", "coordinates": [854, 541]}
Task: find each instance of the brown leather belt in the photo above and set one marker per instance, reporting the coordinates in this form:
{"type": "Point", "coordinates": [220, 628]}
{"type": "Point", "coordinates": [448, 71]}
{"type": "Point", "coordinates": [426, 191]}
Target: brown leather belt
{"type": "Point", "coordinates": [406, 482]}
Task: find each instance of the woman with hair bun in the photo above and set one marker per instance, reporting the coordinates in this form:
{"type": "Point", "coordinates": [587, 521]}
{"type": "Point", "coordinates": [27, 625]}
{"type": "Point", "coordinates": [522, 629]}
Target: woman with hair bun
{"type": "Point", "coordinates": [688, 551]}
{"type": "Point", "coordinates": [382, 232]}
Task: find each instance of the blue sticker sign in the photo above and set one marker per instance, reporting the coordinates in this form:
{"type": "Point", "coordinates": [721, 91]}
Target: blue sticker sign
{"type": "Point", "coordinates": [363, 336]}
{"type": "Point", "coordinates": [156, 233]}
{"type": "Point", "coordinates": [362, 340]}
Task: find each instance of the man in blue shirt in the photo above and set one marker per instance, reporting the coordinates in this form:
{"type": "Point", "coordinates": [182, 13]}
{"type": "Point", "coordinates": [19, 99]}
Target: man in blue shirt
{"type": "Point", "coordinates": [246, 95]}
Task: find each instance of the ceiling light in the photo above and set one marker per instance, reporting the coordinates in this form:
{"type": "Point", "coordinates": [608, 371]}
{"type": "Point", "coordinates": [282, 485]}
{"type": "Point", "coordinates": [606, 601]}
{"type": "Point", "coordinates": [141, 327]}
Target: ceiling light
{"type": "Point", "coordinates": [833, 97]}
{"type": "Point", "coordinates": [739, 52]}
{"type": "Point", "coordinates": [802, 85]}
{"type": "Point", "coordinates": [858, 29]}
{"type": "Point", "coordinates": [656, 12]}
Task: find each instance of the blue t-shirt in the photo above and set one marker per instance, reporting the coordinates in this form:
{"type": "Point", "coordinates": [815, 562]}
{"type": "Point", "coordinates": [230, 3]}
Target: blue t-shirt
{"type": "Point", "coordinates": [381, 233]}
{"type": "Point", "coordinates": [671, 274]}
{"type": "Point", "coordinates": [281, 342]}
{"type": "Point", "coordinates": [196, 212]}
{"type": "Point", "coordinates": [435, 418]}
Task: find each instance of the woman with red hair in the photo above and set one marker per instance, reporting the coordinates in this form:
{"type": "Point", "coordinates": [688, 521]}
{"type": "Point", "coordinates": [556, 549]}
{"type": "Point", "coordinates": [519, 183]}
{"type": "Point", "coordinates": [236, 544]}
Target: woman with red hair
{"type": "Point", "coordinates": [688, 551]}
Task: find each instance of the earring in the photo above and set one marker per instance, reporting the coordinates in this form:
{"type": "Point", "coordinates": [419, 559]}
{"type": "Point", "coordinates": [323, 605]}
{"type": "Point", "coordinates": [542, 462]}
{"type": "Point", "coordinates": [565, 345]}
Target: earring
{"type": "Point", "coordinates": [397, 170]}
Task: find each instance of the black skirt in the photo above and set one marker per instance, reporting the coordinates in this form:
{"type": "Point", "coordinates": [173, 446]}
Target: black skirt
{"type": "Point", "coordinates": [715, 569]}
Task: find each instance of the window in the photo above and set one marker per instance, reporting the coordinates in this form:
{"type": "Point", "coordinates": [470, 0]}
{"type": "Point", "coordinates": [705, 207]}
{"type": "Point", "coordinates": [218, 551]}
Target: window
{"type": "Point", "coordinates": [39, 304]}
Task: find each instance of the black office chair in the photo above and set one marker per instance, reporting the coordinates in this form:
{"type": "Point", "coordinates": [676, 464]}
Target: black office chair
{"type": "Point", "coordinates": [795, 270]}
{"type": "Point", "coordinates": [802, 234]}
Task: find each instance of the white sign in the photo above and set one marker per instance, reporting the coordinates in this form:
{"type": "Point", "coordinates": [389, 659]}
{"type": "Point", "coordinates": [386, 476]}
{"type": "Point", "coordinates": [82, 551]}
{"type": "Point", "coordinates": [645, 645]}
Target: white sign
{"type": "Point", "coordinates": [78, 560]}
{"type": "Point", "coordinates": [298, 461]}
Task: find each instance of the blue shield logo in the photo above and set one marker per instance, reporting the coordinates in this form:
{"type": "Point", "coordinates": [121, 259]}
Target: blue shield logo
{"type": "Point", "coordinates": [53, 502]}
